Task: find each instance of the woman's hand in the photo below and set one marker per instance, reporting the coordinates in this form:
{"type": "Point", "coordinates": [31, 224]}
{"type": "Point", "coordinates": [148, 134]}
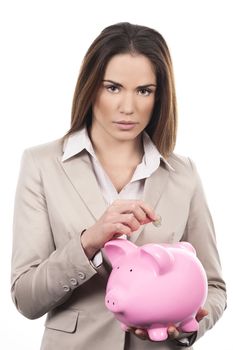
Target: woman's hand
{"type": "Point", "coordinates": [121, 217]}
{"type": "Point", "coordinates": [173, 331]}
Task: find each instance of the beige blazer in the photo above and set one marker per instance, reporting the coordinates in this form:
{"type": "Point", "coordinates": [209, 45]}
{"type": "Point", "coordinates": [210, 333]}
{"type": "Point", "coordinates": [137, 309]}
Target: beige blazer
{"type": "Point", "coordinates": [55, 201]}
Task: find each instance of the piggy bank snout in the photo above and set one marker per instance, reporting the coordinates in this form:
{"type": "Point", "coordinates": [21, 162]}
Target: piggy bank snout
{"type": "Point", "coordinates": [112, 301]}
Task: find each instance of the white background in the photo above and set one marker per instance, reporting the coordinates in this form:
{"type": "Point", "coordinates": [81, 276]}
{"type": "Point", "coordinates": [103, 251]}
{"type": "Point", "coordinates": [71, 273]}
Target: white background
{"type": "Point", "coordinates": [42, 45]}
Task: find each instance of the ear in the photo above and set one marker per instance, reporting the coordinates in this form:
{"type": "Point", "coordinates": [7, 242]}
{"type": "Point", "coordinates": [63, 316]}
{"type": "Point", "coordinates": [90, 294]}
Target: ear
{"type": "Point", "coordinates": [186, 246]}
{"type": "Point", "coordinates": [117, 248]}
{"type": "Point", "coordinates": [159, 255]}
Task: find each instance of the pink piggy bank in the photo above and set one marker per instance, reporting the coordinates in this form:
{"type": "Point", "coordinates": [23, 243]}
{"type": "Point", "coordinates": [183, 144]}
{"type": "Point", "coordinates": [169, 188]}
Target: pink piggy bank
{"type": "Point", "coordinates": [155, 285]}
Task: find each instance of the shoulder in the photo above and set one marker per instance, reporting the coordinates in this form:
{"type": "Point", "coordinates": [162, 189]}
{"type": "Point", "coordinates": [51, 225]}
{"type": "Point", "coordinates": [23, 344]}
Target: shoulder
{"type": "Point", "coordinates": [48, 150]}
{"type": "Point", "coordinates": [181, 163]}
{"type": "Point", "coordinates": [185, 171]}
{"type": "Point", "coordinates": [43, 156]}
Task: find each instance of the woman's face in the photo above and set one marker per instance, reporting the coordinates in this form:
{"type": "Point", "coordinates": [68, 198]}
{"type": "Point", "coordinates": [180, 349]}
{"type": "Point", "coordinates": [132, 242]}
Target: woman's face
{"type": "Point", "coordinates": [125, 99]}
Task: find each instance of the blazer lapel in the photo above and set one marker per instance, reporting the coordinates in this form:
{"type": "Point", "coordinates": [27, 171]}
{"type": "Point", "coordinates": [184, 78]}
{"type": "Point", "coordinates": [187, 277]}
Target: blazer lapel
{"type": "Point", "coordinates": [153, 189]}
{"type": "Point", "coordinates": [80, 173]}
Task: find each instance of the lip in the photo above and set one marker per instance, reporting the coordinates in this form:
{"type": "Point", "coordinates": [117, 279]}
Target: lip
{"type": "Point", "coordinates": [125, 122]}
{"type": "Point", "coordinates": [125, 125]}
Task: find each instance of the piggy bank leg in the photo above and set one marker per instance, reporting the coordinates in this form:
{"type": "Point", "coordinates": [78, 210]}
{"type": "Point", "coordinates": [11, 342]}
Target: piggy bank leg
{"type": "Point", "coordinates": [157, 332]}
{"type": "Point", "coordinates": [190, 325]}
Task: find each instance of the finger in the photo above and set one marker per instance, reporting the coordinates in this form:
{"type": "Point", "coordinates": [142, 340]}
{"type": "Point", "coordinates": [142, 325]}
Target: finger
{"type": "Point", "coordinates": [119, 229]}
{"type": "Point", "coordinates": [139, 214]}
{"type": "Point", "coordinates": [148, 210]}
{"type": "Point", "coordinates": [130, 329]}
{"type": "Point", "coordinates": [127, 220]}
{"type": "Point", "coordinates": [142, 334]}
{"type": "Point", "coordinates": [123, 206]}
{"type": "Point", "coordinates": [173, 332]}
{"type": "Point", "coordinates": [201, 314]}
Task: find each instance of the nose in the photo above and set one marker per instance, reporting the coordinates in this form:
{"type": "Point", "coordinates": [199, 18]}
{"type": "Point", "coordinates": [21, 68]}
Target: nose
{"type": "Point", "coordinates": [112, 302]}
{"type": "Point", "coordinates": [127, 104]}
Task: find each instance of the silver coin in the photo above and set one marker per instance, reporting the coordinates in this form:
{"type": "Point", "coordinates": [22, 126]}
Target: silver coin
{"type": "Point", "coordinates": [158, 221]}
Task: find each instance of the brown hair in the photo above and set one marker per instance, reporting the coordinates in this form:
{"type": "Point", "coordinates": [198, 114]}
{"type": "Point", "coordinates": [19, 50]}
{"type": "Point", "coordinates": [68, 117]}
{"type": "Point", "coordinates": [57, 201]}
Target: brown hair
{"type": "Point", "coordinates": [130, 38]}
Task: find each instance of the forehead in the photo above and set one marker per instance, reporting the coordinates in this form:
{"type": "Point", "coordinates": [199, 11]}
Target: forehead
{"type": "Point", "coordinates": [125, 68]}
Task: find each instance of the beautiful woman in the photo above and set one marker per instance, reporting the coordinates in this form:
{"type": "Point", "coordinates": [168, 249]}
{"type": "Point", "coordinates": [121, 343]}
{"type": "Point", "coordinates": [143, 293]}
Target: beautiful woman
{"type": "Point", "coordinates": [114, 173]}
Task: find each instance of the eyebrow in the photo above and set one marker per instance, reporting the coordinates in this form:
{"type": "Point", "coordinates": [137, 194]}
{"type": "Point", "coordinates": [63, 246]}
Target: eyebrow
{"type": "Point", "coordinates": [139, 87]}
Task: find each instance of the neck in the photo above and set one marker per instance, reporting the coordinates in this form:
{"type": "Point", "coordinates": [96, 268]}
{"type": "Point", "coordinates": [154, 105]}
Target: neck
{"type": "Point", "coordinates": [118, 151]}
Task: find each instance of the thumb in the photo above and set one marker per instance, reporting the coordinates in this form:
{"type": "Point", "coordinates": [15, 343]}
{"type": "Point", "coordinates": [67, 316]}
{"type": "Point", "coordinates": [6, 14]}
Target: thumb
{"type": "Point", "coordinates": [201, 314]}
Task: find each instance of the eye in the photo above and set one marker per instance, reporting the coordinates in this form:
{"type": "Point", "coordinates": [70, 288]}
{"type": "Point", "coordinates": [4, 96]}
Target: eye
{"type": "Point", "coordinates": [131, 270]}
{"type": "Point", "coordinates": [145, 91]}
{"type": "Point", "coordinates": [112, 88]}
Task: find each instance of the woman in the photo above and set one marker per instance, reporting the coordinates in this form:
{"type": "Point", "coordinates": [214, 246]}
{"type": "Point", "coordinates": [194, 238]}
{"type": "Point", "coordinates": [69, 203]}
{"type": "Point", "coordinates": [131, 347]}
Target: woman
{"type": "Point", "coordinates": [113, 174]}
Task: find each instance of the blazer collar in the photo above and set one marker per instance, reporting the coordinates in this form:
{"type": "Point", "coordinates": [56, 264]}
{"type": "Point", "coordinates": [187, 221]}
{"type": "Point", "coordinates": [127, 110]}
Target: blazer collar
{"type": "Point", "coordinates": [79, 140]}
{"type": "Point", "coordinates": [78, 169]}
{"type": "Point", "coordinates": [153, 190]}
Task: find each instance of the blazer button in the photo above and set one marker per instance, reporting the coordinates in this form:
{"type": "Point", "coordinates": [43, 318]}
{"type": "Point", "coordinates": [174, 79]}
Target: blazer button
{"type": "Point", "coordinates": [82, 275]}
{"type": "Point", "coordinates": [73, 281]}
{"type": "Point", "coordinates": [66, 288]}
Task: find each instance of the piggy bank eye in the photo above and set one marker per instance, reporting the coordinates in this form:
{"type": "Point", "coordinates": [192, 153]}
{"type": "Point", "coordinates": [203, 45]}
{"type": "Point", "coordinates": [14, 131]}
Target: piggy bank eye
{"type": "Point", "coordinates": [131, 270]}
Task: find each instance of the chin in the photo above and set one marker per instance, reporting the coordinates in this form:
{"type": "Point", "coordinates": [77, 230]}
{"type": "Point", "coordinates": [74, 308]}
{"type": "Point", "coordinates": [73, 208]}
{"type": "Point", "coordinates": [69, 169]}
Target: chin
{"type": "Point", "coordinates": [126, 136]}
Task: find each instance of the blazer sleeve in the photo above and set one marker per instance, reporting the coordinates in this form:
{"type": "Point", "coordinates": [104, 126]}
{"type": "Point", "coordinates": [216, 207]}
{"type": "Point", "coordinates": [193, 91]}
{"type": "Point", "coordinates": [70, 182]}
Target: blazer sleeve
{"type": "Point", "coordinates": [200, 233]}
{"type": "Point", "coordinates": [42, 276]}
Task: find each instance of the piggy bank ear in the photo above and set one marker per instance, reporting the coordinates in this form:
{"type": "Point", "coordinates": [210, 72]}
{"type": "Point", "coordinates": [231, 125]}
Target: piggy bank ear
{"type": "Point", "coordinates": [186, 246]}
{"type": "Point", "coordinates": [116, 248]}
{"type": "Point", "coordinates": [161, 257]}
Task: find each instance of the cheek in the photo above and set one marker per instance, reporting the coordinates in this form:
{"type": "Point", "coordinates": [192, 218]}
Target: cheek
{"type": "Point", "coordinates": [147, 108]}
{"type": "Point", "coordinates": [96, 107]}
{"type": "Point", "coordinates": [104, 103]}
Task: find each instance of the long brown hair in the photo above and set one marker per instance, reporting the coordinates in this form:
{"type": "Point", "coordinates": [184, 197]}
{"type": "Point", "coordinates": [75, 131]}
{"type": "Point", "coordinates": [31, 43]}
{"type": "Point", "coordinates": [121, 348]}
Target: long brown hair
{"type": "Point", "coordinates": [121, 38]}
